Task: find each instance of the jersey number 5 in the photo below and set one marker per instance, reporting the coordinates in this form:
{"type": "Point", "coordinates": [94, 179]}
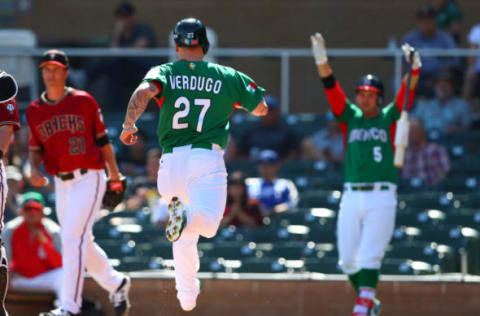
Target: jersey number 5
{"type": "Point", "coordinates": [183, 101]}
{"type": "Point", "coordinates": [377, 154]}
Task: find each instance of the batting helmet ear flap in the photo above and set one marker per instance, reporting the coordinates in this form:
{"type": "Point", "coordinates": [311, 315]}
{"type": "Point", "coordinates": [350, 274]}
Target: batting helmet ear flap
{"type": "Point", "coordinates": [8, 87]}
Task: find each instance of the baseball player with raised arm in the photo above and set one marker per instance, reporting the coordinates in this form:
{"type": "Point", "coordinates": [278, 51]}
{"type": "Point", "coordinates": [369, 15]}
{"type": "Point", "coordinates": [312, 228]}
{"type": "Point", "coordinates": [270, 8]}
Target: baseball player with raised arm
{"type": "Point", "coordinates": [9, 122]}
{"type": "Point", "coordinates": [196, 100]}
{"type": "Point", "coordinates": [367, 210]}
{"type": "Point", "coordinates": [68, 134]}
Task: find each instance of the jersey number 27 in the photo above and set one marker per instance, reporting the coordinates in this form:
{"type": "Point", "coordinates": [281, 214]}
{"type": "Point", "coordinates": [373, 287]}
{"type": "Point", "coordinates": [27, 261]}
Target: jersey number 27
{"type": "Point", "coordinates": [185, 103]}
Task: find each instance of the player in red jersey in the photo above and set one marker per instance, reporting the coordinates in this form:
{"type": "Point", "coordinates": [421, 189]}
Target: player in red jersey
{"type": "Point", "coordinates": [9, 122]}
{"type": "Point", "coordinates": [68, 134]}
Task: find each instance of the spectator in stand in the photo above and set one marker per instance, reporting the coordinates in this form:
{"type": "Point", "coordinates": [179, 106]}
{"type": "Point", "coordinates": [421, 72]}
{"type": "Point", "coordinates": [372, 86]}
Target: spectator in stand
{"type": "Point", "coordinates": [15, 185]}
{"type": "Point", "coordinates": [33, 247]}
{"type": "Point", "coordinates": [270, 133]}
{"type": "Point", "coordinates": [423, 159]}
{"type": "Point", "coordinates": [471, 86]}
{"type": "Point", "coordinates": [133, 159]}
{"type": "Point", "coordinates": [449, 18]}
{"type": "Point", "coordinates": [273, 194]}
{"type": "Point", "coordinates": [445, 112]}
{"type": "Point", "coordinates": [326, 144]}
{"type": "Point", "coordinates": [144, 191]}
{"type": "Point", "coordinates": [124, 72]}
{"type": "Point", "coordinates": [240, 210]}
{"type": "Point", "coordinates": [428, 36]}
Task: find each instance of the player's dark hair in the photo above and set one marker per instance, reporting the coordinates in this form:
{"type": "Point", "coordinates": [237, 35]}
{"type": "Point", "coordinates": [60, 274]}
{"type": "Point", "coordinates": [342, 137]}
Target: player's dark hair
{"type": "Point", "coordinates": [238, 179]}
{"type": "Point", "coordinates": [125, 9]}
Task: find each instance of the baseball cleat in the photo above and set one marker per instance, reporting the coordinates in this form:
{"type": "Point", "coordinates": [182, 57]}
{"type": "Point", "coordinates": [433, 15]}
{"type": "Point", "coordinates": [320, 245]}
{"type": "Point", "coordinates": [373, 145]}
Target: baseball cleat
{"type": "Point", "coordinates": [120, 300]}
{"type": "Point", "coordinates": [177, 221]}
{"type": "Point", "coordinates": [57, 312]}
{"type": "Point", "coordinates": [377, 307]}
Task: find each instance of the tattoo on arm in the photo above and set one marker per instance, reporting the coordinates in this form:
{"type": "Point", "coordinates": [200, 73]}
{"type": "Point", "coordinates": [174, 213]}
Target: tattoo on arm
{"type": "Point", "coordinates": [139, 101]}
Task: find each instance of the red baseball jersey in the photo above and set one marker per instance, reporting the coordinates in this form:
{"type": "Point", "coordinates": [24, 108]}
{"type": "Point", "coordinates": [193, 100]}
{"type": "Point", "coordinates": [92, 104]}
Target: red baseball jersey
{"type": "Point", "coordinates": [65, 131]}
{"type": "Point", "coordinates": [9, 113]}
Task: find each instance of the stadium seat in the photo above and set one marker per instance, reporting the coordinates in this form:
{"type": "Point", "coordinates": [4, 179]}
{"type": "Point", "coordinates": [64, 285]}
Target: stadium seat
{"type": "Point", "coordinates": [324, 265]}
{"type": "Point", "coordinates": [156, 249]}
{"type": "Point", "coordinates": [443, 256]}
{"type": "Point", "coordinates": [407, 267]}
{"type": "Point", "coordinates": [128, 264]}
{"type": "Point", "coordinates": [228, 250]}
{"type": "Point", "coordinates": [262, 265]}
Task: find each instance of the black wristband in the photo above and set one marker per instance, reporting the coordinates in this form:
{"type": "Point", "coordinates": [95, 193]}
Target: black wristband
{"type": "Point", "coordinates": [1, 154]}
{"type": "Point", "coordinates": [102, 141]}
{"type": "Point", "coordinates": [329, 82]}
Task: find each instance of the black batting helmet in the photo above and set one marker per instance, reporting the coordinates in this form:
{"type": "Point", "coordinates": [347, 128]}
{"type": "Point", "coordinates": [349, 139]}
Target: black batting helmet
{"type": "Point", "coordinates": [8, 86]}
{"type": "Point", "coordinates": [191, 32]}
{"type": "Point", "coordinates": [371, 83]}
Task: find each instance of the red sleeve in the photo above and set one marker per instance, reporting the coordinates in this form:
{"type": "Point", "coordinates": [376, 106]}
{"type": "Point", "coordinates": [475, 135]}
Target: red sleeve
{"type": "Point", "coordinates": [337, 99]}
{"type": "Point", "coordinates": [53, 256]}
{"type": "Point", "coordinates": [9, 114]}
{"type": "Point", "coordinates": [33, 142]}
{"type": "Point", "coordinates": [401, 94]}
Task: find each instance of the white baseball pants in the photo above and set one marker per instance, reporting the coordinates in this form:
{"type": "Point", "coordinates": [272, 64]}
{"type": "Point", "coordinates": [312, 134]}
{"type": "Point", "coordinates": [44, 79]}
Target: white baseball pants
{"type": "Point", "coordinates": [77, 203]}
{"type": "Point", "coordinates": [199, 178]}
{"type": "Point", "coordinates": [364, 228]}
{"type": "Point", "coordinates": [51, 280]}
{"type": "Point", "coordinates": [3, 192]}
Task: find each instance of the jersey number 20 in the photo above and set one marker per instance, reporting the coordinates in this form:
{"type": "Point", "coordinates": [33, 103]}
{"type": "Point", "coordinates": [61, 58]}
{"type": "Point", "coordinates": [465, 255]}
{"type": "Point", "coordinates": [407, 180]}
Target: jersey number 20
{"type": "Point", "coordinates": [183, 101]}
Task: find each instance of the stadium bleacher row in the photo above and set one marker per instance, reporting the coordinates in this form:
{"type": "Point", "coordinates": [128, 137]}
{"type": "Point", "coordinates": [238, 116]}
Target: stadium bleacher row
{"type": "Point", "coordinates": [437, 229]}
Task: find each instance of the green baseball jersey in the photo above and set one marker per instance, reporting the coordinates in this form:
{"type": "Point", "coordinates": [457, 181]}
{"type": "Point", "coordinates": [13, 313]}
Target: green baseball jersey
{"type": "Point", "coordinates": [369, 145]}
{"type": "Point", "coordinates": [197, 100]}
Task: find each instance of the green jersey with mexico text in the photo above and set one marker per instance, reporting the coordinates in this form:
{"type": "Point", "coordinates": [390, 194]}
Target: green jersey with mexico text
{"type": "Point", "coordinates": [369, 149]}
{"type": "Point", "coordinates": [197, 100]}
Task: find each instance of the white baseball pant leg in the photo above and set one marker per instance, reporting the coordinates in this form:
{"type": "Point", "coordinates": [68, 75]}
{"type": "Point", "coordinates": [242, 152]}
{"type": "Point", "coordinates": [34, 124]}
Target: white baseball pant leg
{"type": "Point", "coordinates": [51, 281]}
{"type": "Point", "coordinates": [364, 228]}
{"type": "Point", "coordinates": [199, 178]}
{"type": "Point", "coordinates": [78, 202]}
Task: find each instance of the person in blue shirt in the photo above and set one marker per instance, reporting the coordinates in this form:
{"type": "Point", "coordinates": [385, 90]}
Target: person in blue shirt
{"type": "Point", "coordinates": [427, 35]}
{"type": "Point", "coordinates": [273, 194]}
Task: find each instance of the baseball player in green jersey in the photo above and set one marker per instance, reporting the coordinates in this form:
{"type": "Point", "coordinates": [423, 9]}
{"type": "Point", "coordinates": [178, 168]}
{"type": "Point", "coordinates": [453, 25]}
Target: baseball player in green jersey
{"type": "Point", "coordinates": [196, 99]}
{"type": "Point", "coordinates": [367, 210]}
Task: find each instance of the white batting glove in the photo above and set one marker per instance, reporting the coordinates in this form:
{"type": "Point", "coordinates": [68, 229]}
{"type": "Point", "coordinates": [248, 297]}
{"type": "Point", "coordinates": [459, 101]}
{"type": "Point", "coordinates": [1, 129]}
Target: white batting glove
{"type": "Point", "coordinates": [407, 49]}
{"type": "Point", "coordinates": [318, 49]}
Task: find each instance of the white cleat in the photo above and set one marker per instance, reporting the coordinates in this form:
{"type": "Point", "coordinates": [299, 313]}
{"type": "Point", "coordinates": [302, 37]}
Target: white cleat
{"type": "Point", "coordinates": [57, 312]}
{"type": "Point", "coordinates": [188, 300]}
{"type": "Point", "coordinates": [177, 221]}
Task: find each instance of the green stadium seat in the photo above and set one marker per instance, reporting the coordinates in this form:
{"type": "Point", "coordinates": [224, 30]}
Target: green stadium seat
{"type": "Point", "coordinates": [444, 256]}
{"type": "Point", "coordinates": [407, 267]}
{"type": "Point", "coordinates": [128, 264]}
{"type": "Point", "coordinates": [228, 250]}
{"type": "Point", "coordinates": [325, 265]}
{"type": "Point", "coordinates": [115, 248]}
{"type": "Point", "coordinates": [156, 249]}
{"type": "Point", "coordinates": [262, 265]}
{"type": "Point", "coordinates": [322, 234]}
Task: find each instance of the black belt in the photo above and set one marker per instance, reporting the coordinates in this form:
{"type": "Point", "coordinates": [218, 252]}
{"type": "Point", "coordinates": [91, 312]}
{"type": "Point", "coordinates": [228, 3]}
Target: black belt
{"type": "Point", "coordinates": [70, 175]}
{"type": "Point", "coordinates": [367, 187]}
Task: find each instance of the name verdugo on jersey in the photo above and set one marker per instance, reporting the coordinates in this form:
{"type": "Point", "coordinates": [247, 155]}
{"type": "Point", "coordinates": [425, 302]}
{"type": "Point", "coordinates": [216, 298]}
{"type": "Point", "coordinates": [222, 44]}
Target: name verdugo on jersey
{"type": "Point", "coordinates": [195, 83]}
{"type": "Point", "coordinates": [362, 135]}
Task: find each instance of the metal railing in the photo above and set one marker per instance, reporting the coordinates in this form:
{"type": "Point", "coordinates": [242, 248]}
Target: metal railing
{"type": "Point", "coordinates": [284, 54]}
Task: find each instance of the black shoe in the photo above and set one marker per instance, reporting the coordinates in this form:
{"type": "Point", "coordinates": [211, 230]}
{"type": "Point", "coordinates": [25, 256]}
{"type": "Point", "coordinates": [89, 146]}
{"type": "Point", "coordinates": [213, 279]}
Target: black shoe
{"type": "Point", "coordinates": [120, 299]}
